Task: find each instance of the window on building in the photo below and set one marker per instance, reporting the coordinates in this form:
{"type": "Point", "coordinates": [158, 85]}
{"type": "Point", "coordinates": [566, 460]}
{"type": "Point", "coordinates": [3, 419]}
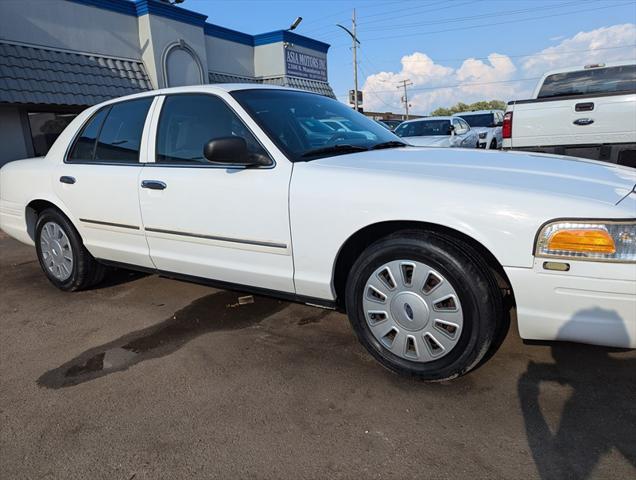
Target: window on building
{"type": "Point", "coordinates": [189, 122]}
{"type": "Point", "coordinates": [120, 136]}
{"type": "Point", "coordinates": [45, 128]}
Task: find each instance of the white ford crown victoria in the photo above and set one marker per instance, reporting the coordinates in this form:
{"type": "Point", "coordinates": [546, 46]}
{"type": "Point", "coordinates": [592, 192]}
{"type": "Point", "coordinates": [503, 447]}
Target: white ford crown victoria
{"type": "Point", "coordinates": [429, 251]}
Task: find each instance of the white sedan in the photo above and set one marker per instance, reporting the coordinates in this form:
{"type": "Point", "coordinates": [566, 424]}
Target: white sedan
{"type": "Point", "coordinates": [429, 251]}
{"type": "Point", "coordinates": [439, 132]}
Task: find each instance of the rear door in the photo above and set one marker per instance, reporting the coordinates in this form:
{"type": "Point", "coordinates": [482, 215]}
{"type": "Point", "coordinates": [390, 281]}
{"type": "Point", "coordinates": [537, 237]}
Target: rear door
{"type": "Point", "coordinates": [224, 223]}
{"type": "Point", "coordinates": [98, 182]}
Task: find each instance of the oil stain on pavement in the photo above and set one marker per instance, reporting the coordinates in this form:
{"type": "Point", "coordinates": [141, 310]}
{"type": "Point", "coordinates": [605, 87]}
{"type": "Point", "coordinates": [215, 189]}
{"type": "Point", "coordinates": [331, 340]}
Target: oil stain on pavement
{"type": "Point", "coordinates": [216, 312]}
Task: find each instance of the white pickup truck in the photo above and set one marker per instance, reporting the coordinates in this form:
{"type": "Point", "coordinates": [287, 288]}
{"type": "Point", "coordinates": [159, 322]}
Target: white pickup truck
{"type": "Point", "coordinates": [588, 112]}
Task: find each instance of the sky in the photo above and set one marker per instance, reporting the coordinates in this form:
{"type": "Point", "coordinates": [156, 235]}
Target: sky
{"type": "Point", "coordinates": [452, 50]}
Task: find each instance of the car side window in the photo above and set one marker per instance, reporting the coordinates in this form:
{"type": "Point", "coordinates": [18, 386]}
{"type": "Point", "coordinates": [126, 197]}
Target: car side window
{"type": "Point", "coordinates": [84, 147]}
{"type": "Point", "coordinates": [120, 137]}
{"type": "Point", "coordinates": [188, 122]}
{"type": "Point", "coordinates": [113, 135]}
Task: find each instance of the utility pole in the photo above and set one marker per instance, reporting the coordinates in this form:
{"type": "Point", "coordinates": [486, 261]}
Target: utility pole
{"type": "Point", "coordinates": [405, 98]}
{"type": "Point", "coordinates": [355, 61]}
{"type": "Point", "coordinates": [355, 42]}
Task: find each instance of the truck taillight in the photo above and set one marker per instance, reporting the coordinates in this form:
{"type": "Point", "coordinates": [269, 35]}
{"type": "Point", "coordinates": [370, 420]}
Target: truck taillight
{"type": "Point", "coordinates": [506, 129]}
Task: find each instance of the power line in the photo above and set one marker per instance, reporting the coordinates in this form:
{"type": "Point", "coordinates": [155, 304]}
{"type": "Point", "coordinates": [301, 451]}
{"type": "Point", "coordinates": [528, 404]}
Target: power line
{"type": "Point", "coordinates": [372, 92]}
{"type": "Point", "coordinates": [498, 13]}
{"type": "Point", "coordinates": [389, 12]}
{"type": "Point", "coordinates": [340, 12]}
{"type": "Point", "coordinates": [470, 27]}
{"type": "Point", "coordinates": [528, 55]}
{"type": "Point", "coordinates": [441, 87]}
{"type": "Point", "coordinates": [412, 9]}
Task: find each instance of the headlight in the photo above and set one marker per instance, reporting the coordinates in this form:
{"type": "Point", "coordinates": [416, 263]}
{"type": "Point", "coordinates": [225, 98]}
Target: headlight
{"type": "Point", "coordinates": [607, 241]}
{"type": "Point", "coordinates": [483, 135]}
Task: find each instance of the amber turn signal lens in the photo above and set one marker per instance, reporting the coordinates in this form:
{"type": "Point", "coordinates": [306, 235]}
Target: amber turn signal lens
{"type": "Point", "coordinates": [582, 240]}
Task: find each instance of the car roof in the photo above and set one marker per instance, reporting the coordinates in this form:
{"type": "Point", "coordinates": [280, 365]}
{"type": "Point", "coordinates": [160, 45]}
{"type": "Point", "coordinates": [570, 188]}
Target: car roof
{"type": "Point", "coordinates": [426, 119]}
{"type": "Point", "coordinates": [209, 88]}
{"type": "Point", "coordinates": [476, 112]}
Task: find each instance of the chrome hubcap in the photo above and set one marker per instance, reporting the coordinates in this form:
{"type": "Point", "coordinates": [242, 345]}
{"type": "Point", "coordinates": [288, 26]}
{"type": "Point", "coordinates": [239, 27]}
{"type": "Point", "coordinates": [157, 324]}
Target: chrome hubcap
{"type": "Point", "coordinates": [56, 251]}
{"type": "Point", "coordinates": [413, 310]}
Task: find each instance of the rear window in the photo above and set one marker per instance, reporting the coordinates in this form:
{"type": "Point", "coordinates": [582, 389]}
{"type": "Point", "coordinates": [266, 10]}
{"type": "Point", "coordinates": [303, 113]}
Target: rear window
{"type": "Point", "coordinates": [479, 120]}
{"type": "Point", "coordinates": [585, 82]}
{"type": "Point", "coordinates": [424, 128]}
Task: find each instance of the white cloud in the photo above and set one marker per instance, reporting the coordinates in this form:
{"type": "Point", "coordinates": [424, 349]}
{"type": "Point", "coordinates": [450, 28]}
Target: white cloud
{"type": "Point", "coordinates": [382, 94]}
{"type": "Point", "coordinates": [597, 45]}
{"type": "Point", "coordinates": [490, 79]}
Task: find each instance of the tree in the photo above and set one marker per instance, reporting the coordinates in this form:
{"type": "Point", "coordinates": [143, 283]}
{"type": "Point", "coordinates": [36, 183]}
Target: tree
{"type": "Point", "coordinates": [462, 107]}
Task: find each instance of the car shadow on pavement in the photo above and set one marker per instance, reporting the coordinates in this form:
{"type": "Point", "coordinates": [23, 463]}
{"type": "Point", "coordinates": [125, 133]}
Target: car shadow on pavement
{"type": "Point", "coordinates": [216, 312]}
{"type": "Point", "coordinates": [597, 417]}
{"type": "Point", "coordinates": [119, 276]}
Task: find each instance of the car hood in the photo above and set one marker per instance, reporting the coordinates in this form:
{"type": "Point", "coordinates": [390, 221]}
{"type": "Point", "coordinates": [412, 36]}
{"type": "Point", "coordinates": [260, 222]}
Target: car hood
{"type": "Point", "coordinates": [429, 141]}
{"type": "Point", "coordinates": [546, 174]}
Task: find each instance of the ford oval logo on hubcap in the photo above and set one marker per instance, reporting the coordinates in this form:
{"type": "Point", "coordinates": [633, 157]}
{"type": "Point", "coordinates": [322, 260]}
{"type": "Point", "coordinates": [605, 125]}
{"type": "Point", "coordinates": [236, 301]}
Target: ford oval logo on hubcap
{"type": "Point", "coordinates": [409, 311]}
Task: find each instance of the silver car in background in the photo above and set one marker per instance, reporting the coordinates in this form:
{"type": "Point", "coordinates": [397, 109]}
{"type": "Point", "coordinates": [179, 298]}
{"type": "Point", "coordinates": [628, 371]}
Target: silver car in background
{"type": "Point", "coordinates": [487, 124]}
{"type": "Point", "coordinates": [438, 132]}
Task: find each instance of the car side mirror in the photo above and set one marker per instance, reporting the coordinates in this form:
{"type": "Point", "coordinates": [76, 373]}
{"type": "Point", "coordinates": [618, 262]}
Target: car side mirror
{"type": "Point", "coordinates": [451, 130]}
{"type": "Point", "coordinates": [230, 151]}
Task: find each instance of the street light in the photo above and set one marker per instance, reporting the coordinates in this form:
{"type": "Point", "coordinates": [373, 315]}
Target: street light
{"type": "Point", "coordinates": [356, 42]}
{"type": "Point", "coordinates": [295, 24]}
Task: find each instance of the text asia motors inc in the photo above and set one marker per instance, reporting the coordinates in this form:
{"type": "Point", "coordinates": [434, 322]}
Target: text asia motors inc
{"type": "Point", "coordinates": [303, 65]}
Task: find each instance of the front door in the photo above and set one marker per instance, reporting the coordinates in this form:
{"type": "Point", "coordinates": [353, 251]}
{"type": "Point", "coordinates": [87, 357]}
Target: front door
{"type": "Point", "coordinates": [98, 182]}
{"type": "Point", "coordinates": [204, 220]}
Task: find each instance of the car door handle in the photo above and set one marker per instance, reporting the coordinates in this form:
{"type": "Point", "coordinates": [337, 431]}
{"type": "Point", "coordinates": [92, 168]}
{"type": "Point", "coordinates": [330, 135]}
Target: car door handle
{"type": "Point", "coordinates": [583, 121]}
{"type": "Point", "coordinates": [153, 184]}
{"type": "Point", "coordinates": [67, 179]}
{"type": "Point", "coordinates": [584, 107]}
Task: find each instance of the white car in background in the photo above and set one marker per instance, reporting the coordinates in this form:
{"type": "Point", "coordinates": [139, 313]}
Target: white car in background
{"type": "Point", "coordinates": [438, 132]}
{"type": "Point", "coordinates": [487, 124]}
{"type": "Point", "coordinates": [429, 251]}
{"type": "Point", "coordinates": [344, 125]}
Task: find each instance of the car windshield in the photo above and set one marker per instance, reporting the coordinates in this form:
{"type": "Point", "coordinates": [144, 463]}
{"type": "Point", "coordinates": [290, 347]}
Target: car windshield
{"type": "Point", "coordinates": [424, 128]}
{"type": "Point", "coordinates": [479, 120]}
{"type": "Point", "coordinates": [300, 124]}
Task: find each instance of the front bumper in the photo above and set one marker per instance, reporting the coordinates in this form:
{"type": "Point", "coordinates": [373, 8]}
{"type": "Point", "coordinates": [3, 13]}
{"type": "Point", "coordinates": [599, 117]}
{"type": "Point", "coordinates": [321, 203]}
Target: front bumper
{"type": "Point", "coordinates": [592, 303]}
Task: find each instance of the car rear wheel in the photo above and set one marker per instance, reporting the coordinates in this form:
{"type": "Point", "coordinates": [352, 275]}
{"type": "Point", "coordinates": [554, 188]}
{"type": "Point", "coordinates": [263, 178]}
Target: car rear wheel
{"type": "Point", "coordinates": [62, 255]}
{"type": "Point", "coordinates": [423, 305]}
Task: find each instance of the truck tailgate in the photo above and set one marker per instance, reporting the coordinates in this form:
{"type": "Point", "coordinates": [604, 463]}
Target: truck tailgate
{"type": "Point", "coordinates": [574, 121]}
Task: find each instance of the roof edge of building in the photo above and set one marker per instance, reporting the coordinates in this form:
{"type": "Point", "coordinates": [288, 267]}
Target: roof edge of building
{"type": "Point", "coordinates": [138, 8]}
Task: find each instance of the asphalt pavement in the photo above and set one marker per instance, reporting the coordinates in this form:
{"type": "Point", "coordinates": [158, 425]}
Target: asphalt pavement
{"type": "Point", "coordinates": [152, 378]}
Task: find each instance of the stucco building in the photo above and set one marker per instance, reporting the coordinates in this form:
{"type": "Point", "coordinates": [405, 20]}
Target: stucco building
{"type": "Point", "coordinates": [59, 56]}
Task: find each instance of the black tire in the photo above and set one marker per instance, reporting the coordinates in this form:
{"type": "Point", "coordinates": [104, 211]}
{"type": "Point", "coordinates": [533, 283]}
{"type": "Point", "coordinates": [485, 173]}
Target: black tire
{"type": "Point", "coordinates": [476, 287]}
{"type": "Point", "coordinates": [493, 144]}
{"type": "Point", "coordinates": [86, 271]}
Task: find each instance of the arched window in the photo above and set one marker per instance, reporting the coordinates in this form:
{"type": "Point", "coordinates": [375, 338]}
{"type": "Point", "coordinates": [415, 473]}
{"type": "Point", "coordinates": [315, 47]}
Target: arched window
{"type": "Point", "coordinates": [181, 66]}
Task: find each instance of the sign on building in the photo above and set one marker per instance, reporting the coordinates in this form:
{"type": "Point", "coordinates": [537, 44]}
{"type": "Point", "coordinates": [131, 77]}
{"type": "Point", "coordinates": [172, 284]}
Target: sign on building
{"type": "Point", "coordinates": [303, 65]}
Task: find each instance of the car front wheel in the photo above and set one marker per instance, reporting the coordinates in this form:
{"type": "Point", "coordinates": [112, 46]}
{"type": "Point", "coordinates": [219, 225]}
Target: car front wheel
{"type": "Point", "coordinates": [62, 255]}
{"type": "Point", "coordinates": [423, 304]}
